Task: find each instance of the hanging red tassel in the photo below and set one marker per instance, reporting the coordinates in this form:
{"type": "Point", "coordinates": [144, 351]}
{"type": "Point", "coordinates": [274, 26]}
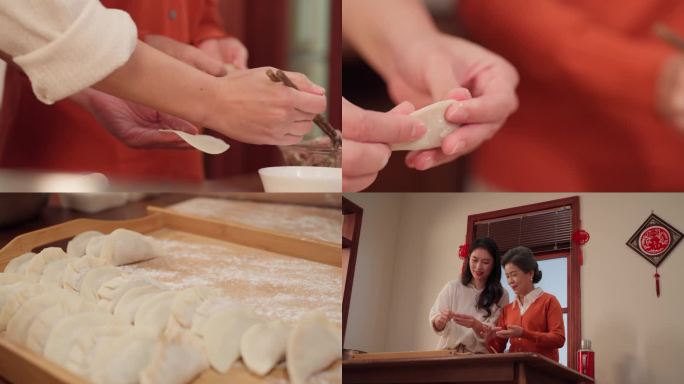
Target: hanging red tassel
{"type": "Point", "coordinates": [657, 278]}
{"type": "Point", "coordinates": [463, 251]}
{"type": "Point", "coordinates": [579, 238]}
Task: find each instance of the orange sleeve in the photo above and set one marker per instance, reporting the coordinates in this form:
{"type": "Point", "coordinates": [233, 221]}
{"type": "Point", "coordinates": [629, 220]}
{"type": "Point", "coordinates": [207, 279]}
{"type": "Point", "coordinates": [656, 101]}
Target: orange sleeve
{"type": "Point", "coordinates": [210, 25]}
{"type": "Point", "coordinates": [559, 44]}
{"type": "Point", "coordinates": [496, 342]}
{"type": "Point", "coordinates": [555, 337]}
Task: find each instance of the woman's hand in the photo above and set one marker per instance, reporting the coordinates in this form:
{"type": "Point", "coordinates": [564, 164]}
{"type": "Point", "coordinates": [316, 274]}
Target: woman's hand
{"type": "Point", "coordinates": [447, 67]}
{"type": "Point", "coordinates": [248, 107]}
{"type": "Point", "coordinates": [228, 50]}
{"type": "Point", "coordinates": [365, 139]}
{"type": "Point", "coordinates": [510, 331]}
{"type": "Point", "coordinates": [442, 319]}
{"type": "Point", "coordinates": [188, 54]}
{"type": "Point", "coordinates": [135, 125]}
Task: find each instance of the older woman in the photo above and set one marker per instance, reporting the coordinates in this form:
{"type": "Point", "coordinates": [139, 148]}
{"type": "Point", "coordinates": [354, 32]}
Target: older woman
{"type": "Point", "coordinates": [466, 308]}
{"type": "Point", "coordinates": [533, 322]}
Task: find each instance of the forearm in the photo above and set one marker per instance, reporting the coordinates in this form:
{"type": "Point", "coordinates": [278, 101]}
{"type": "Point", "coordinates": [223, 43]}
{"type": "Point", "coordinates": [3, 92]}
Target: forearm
{"type": "Point", "coordinates": [163, 83]}
{"type": "Point", "coordinates": [381, 29]}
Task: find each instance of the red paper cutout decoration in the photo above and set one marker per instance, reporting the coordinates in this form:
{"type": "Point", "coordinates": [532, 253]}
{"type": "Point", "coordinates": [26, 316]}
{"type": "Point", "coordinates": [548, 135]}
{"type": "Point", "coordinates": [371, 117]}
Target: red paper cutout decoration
{"type": "Point", "coordinates": [462, 254]}
{"type": "Point", "coordinates": [463, 251]}
{"type": "Point", "coordinates": [579, 238]}
{"type": "Point", "coordinates": [654, 241]}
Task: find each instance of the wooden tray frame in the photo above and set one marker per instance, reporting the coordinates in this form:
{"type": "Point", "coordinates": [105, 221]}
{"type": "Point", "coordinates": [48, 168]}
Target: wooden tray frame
{"type": "Point", "coordinates": [19, 365]}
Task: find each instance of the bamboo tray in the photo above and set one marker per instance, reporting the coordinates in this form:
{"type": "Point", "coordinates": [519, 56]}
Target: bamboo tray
{"type": "Point", "coordinates": [19, 365]}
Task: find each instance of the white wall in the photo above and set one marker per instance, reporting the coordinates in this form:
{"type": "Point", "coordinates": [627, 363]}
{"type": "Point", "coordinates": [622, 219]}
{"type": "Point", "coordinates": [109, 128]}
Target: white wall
{"type": "Point", "coordinates": [637, 337]}
{"type": "Point", "coordinates": [373, 275]}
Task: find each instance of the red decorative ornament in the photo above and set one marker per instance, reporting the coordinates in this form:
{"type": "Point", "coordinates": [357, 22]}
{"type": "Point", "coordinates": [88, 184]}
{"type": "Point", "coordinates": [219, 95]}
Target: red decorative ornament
{"type": "Point", "coordinates": [463, 251]}
{"type": "Point", "coordinates": [579, 238]}
{"type": "Point", "coordinates": [462, 254]}
{"type": "Point", "coordinates": [654, 240]}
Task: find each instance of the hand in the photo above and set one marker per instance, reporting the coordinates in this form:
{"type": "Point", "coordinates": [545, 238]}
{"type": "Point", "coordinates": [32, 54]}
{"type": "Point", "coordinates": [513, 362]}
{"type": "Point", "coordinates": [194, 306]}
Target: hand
{"type": "Point", "coordinates": [187, 54]}
{"type": "Point", "coordinates": [441, 67]}
{"type": "Point", "coordinates": [135, 125]}
{"type": "Point", "coordinates": [365, 139]}
{"type": "Point", "coordinates": [470, 322]}
{"type": "Point", "coordinates": [228, 50]}
{"type": "Point", "coordinates": [249, 107]}
{"type": "Point", "coordinates": [511, 331]}
{"type": "Point", "coordinates": [671, 92]}
{"type": "Point", "coordinates": [442, 319]}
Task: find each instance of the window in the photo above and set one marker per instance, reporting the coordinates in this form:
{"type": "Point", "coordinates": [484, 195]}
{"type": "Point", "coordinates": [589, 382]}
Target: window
{"type": "Point", "coordinates": [546, 228]}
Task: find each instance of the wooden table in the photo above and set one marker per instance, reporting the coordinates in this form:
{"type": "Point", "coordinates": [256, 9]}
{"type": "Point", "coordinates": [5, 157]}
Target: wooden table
{"type": "Point", "coordinates": [504, 368]}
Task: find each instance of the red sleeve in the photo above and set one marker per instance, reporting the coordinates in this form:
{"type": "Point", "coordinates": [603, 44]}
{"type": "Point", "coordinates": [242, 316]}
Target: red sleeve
{"type": "Point", "coordinates": [496, 342]}
{"type": "Point", "coordinates": [559, 44]}
{"type": "Point", "coordinates": [210, 25]}
{"type": "Point", "coordinates": [555, 337]}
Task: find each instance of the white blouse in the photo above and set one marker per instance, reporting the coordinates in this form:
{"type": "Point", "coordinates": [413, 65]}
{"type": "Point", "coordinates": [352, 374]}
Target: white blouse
{"type": "Point", "coordinates": [65, 46]}
{"type": "Point", "coordinates": [461, 299]}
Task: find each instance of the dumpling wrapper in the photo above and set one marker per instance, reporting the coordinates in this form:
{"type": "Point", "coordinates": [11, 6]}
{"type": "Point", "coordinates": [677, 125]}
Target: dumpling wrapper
{"type": "Point", "coordinates": [77, 246]}
{"type": "Point", "coordinates": [177, 359]}
{"type": "Point", "coordinates": [264, 345]}
{"type": "Point", "coordinates": [222, 333]}
{"type": "Point", "coordinates": [437, 127]}
{"type": "Point", "coordinates": [205, 143]}
{"type": "Point", "coordinates": [19, 263]}
{"type": "Point", "coordinates": [313, 345]}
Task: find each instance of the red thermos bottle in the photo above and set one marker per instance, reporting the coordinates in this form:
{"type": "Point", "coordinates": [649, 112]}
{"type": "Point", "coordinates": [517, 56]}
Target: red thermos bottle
{"type": "Point", "coordinates": [585, 359]}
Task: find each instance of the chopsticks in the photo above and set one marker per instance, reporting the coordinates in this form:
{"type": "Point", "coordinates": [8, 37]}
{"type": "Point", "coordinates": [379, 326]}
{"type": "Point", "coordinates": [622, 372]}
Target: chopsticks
{"type": "Point", "coordinates": [327, 128]}
{"type": "Point", "coordinates": [664, 32]}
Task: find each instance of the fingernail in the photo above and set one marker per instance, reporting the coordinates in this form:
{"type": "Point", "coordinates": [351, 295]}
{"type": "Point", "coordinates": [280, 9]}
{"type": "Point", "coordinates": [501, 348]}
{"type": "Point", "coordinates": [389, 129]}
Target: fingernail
{"type": "Point", "coordinates": [418, 130]}
{"type": "Point", "coordinates": [319, 89]}
{"type": "Point", "coordinates": [425, 164]}
{"type": "Point", "coordinates": [457, 147]}
{"type": "Point", "coordinates": [458, 113]}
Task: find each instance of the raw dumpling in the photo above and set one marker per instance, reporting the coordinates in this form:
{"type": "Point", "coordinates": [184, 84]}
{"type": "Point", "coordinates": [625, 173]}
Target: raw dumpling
{"type": "Point", "coordinates": [437, 127]}
{"type": "Point", "coordinates": [81, 354]}
{"type": "Point", "coordinates": [42, 326]}
{"type": "Point", "coordinates": [222, 333]}
{"type": "Point", "coordinates": [18, 326]}
{"type": "Point", "coordinates": [53, 273]}
{"type": "Point", "coordinates": [176, 359]}
{"type": "Point", "coordinates": [18, 264]}
{"type": "Point", "coordinates": [76, 270]}
{"type": "Point", "coordinates": [263, 346]}
{"type": "Point", "coordinates": [64, 334]}
{"type": "Point", "coordinates": [17, 299]}
{"type": "Point", "coordinates": [121, 359]}
{"type": "Point", "coordinates": [131, 301]}
{"type": "Point", "coordinates": [313, 345]}
{"type": "Point", "coordinates": [186, 302]}
{"type": "Point", "coordinates": [77, 246]}
{"type": "Point", "coordinates": [112, 290]}
{"type": "Point", "coordinates": [123, 247]}
{"type": "Point", "coordinates": [94, 246]}
{"type": "Point", "coordinates": [45, 257]}
{"type": "Point", "coordinates": [94, 278]}
{"type": "Point", "coordinates": [154, 312]}
{"type": "Point", "coordinates": [206, 310]}
{"type": "Point", "coordinates": [11, 278]}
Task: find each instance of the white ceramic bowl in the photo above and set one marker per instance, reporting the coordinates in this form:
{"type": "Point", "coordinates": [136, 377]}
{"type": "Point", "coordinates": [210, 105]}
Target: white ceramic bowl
{"type": "Point", "coordinates": [301, 179]}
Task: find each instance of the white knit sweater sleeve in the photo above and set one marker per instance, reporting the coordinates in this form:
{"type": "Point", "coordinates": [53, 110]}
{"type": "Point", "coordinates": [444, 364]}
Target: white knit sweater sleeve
{"type": "Point", "coordinates": [65, 46]}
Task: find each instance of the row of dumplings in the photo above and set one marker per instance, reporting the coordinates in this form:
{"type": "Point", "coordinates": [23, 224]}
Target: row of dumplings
{"type": "Point", "coordinates": [113, 327]}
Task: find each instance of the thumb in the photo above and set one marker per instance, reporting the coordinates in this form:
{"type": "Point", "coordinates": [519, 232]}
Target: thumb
{"type": "Point", "coordinates": [177, 124]}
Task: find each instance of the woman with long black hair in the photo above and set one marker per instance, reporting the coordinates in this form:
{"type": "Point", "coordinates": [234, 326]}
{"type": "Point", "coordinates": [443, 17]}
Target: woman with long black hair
{"type": "Point", "coordinates": [469, 306]}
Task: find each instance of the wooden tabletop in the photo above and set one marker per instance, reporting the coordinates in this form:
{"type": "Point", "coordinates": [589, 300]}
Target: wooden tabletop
{"type": "Point", "coordinates": [480, 368]}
